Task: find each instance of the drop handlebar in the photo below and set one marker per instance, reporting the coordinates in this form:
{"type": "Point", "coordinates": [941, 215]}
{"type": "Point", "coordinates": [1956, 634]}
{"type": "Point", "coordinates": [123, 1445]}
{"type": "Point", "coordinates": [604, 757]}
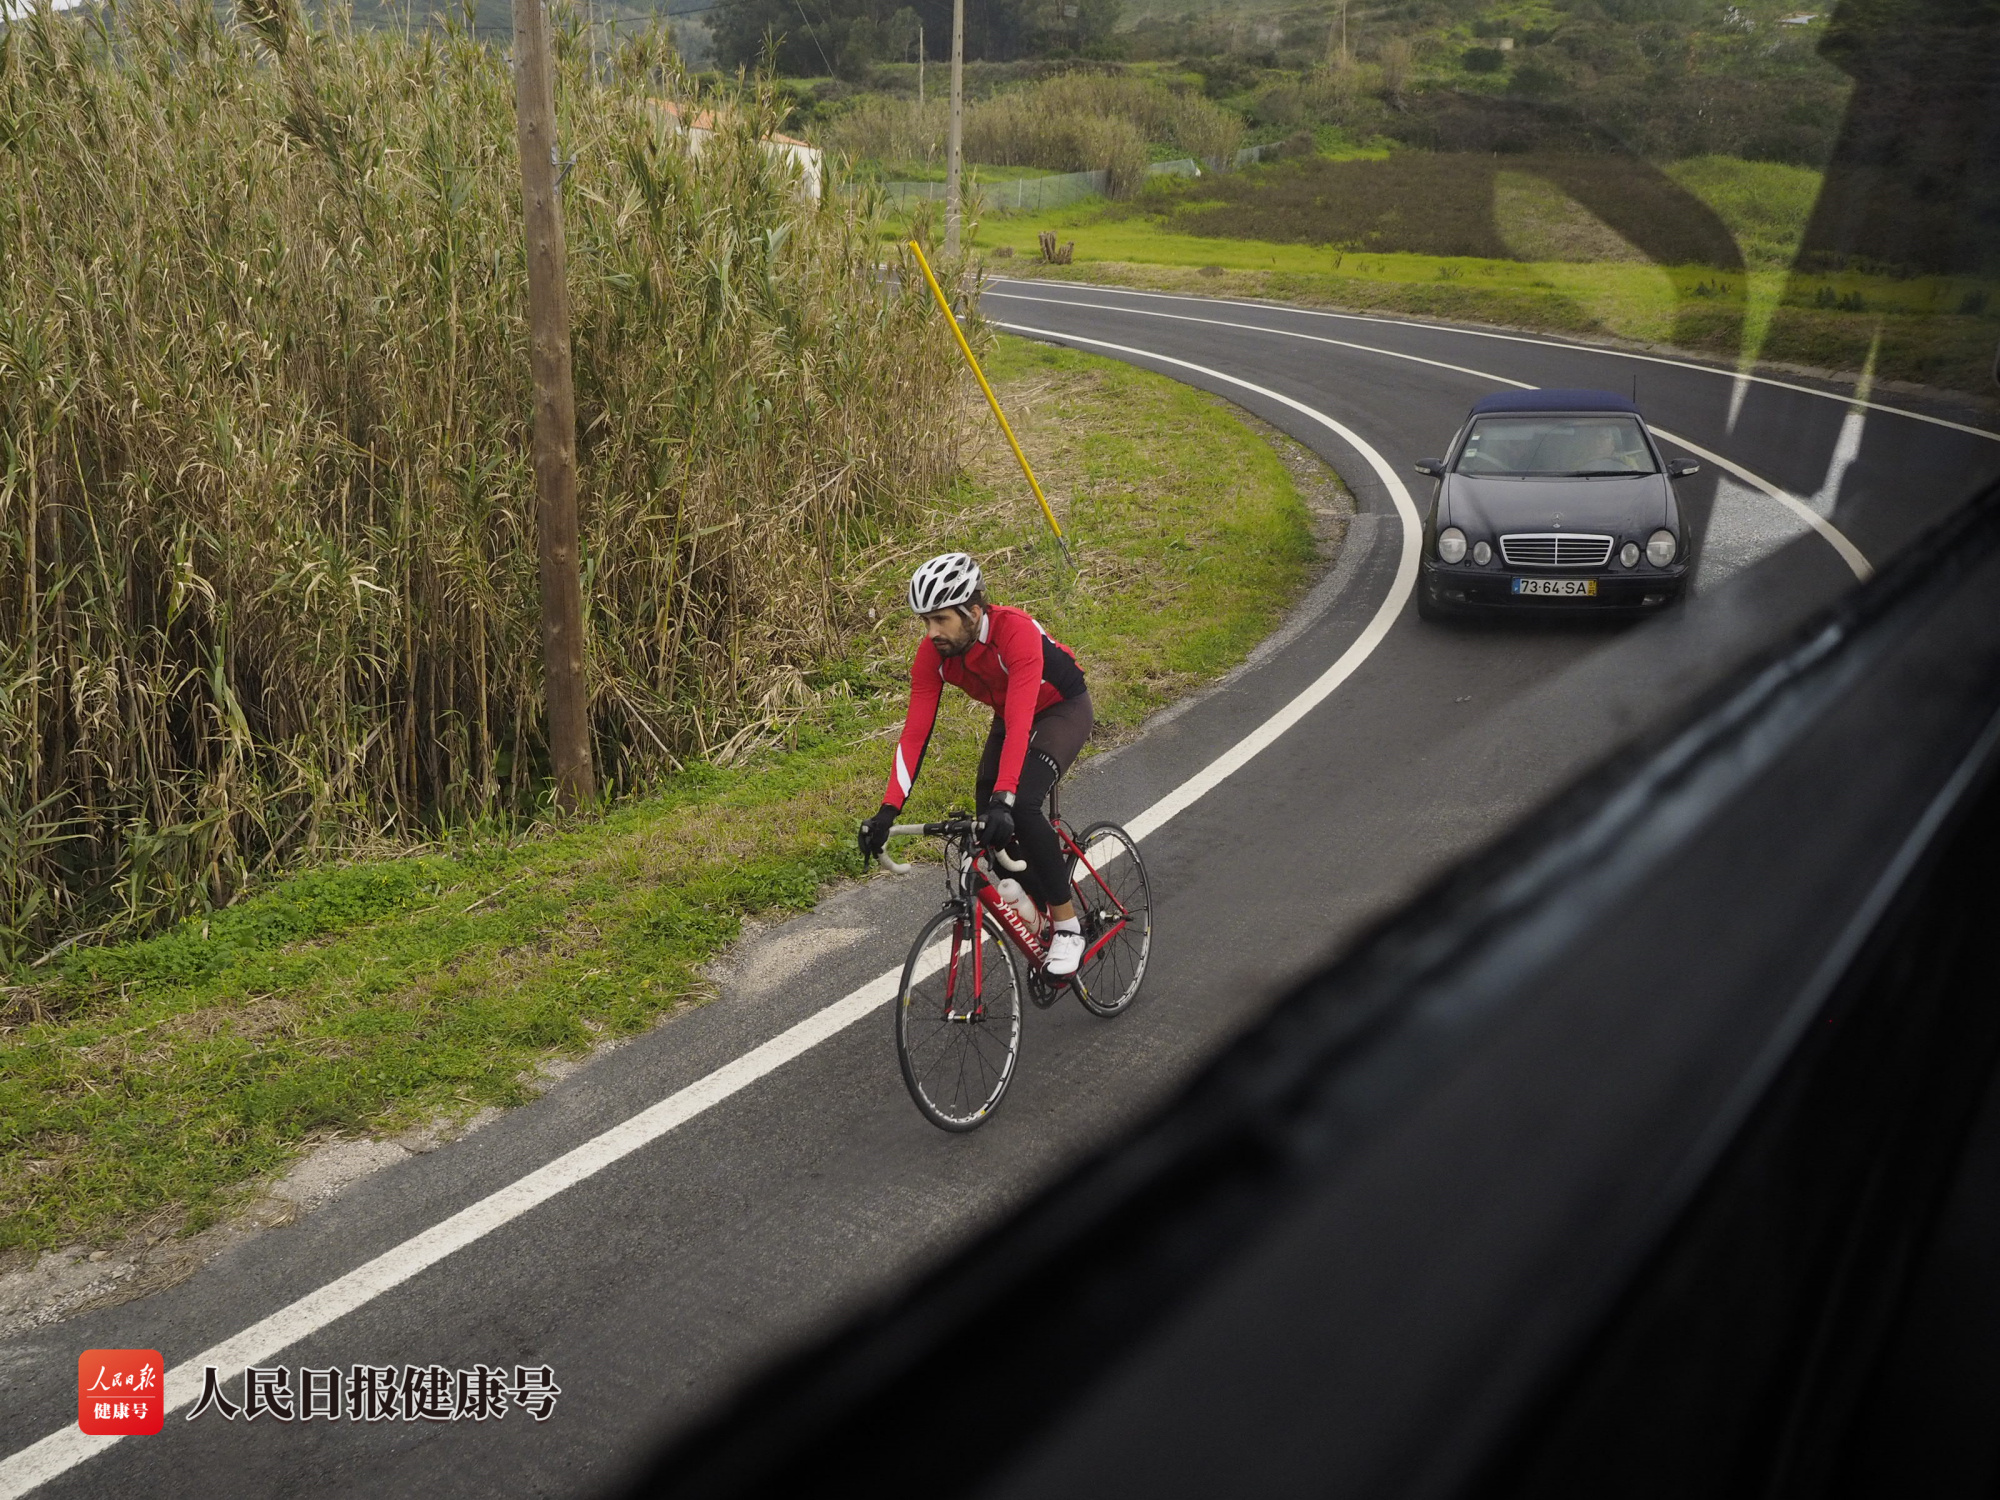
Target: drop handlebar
{"type": "Point", "coordinates": [953, 825]}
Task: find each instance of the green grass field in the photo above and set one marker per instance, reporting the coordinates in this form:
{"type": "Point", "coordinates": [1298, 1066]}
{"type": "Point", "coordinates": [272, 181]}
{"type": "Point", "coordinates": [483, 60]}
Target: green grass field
{"type": "Point", "coordinates": [1915, 327]}
{"type": "Point", "coordinates": [143, 1086]}
{"type": "Point", "coordinates": [1929, 330]}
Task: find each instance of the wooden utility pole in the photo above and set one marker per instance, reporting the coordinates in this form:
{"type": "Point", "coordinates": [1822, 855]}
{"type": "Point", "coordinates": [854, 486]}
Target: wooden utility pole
{"type": "Point", "coordinates": [555, 410]}
{"type": "Point", "coordinates": [951, 161]}
{"type": "Point", "coordinates": [920, 65]}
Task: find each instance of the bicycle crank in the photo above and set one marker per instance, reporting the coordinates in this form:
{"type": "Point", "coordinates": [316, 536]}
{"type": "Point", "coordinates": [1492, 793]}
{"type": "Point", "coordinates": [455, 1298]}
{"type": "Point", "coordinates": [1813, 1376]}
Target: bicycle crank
{"type": "Point", "coordinates": [1041, 989]}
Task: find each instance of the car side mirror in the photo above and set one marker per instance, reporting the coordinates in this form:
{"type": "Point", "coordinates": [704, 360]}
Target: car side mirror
{"type": "Point", "coordinates": [1680, 468]}
{"type": "Point", "coordinates": [1431, 466]}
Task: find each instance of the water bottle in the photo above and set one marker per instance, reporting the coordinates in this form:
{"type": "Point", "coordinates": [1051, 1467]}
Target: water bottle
{"type": "Point", "coordinates": [1024, 905]}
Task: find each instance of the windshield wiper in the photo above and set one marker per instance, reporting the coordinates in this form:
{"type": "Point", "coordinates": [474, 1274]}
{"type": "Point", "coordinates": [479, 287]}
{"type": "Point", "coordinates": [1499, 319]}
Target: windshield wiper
{"type": "Point", "coordinates": [1605, 473]}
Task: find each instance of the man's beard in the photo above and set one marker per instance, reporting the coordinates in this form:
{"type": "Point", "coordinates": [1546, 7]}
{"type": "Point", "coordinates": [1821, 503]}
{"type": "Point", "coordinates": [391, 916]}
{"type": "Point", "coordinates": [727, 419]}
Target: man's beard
{"type": "Point", "coordinates": [951, 648]}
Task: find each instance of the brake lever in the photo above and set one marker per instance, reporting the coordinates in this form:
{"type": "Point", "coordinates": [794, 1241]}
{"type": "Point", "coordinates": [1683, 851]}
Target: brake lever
{"type": "Point", "coordinates": [882, 854]}
{"type": "Point", "coordinates": [1006, 862]}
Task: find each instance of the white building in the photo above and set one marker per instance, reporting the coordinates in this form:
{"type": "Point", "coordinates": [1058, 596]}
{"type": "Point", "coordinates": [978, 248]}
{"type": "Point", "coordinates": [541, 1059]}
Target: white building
{"type": "Point", "coordinates": [702, 127]}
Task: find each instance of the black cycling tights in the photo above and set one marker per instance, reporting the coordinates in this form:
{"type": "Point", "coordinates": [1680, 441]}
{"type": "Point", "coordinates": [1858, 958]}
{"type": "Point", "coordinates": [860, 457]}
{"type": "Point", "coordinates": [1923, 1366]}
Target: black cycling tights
{"type": "Point", "coordinates": [1058, 734]}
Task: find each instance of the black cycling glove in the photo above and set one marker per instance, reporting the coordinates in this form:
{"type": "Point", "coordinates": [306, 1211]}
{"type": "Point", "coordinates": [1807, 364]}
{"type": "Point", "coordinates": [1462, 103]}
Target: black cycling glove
{"type": "Point", "coordinates": [875, 832]}
{"type": "Point", "coordinates": [999, 825]}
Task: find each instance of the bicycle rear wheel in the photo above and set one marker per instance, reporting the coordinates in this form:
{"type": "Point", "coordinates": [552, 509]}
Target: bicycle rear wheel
{"type": "Point", "coordinates": [958, 1049]}
{"type": "Point", "coordinates": [1115, 901]}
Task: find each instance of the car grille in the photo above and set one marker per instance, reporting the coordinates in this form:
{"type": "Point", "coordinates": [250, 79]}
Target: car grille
{"type": "Point", "coordinates": [1555, 550]}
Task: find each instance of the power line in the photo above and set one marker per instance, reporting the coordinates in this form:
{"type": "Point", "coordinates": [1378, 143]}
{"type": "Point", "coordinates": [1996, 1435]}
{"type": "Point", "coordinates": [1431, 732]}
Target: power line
{"type": "Point", "coordinates": [811, 33]}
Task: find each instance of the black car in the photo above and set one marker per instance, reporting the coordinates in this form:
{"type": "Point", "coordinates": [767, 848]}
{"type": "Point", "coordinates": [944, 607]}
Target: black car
{"type": "Point", "coordinates": [1553, 500]}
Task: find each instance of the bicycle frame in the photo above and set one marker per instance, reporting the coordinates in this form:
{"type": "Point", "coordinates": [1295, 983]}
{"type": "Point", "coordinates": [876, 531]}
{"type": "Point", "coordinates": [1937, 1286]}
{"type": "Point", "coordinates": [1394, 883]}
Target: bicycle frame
{"type": "Point", "coordinates": [1080, 858]}
{"type": "Point", "coordinates": [963, 869]}
{"type": "Point", "coordinates": [956, 1042]}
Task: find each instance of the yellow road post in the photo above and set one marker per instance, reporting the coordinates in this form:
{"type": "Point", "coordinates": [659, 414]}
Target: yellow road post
{"type": "Point", "coordinates": [991, 400]}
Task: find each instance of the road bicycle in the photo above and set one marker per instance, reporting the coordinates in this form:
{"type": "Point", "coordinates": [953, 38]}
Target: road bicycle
{"type": "Point", "coordinates": [958, 1008]}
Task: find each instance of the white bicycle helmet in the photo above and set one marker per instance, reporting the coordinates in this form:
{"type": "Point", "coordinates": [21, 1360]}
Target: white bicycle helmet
{"type": "Point", "coordinates": [944, 582]}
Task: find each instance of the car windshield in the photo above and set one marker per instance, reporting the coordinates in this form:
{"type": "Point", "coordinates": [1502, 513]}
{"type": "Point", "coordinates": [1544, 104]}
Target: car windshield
{"type": "Point", "coordinates": [1582, 447]}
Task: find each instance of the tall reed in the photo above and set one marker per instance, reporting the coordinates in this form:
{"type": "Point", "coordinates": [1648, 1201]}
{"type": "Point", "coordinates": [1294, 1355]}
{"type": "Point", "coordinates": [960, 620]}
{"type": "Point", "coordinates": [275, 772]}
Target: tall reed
{"type": "Point", "coordinates": [267, 552]}
{"type": "Point", "coordinates": [1075, 122]}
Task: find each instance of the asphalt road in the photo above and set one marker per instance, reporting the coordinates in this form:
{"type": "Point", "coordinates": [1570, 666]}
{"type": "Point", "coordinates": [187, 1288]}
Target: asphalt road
{"type": "Point", "coordinates": [655, 1278]}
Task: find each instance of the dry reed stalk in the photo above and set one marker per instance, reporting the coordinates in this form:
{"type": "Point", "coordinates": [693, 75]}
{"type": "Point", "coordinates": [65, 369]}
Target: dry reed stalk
{"type": "Point", "coordinates": [267, 563]}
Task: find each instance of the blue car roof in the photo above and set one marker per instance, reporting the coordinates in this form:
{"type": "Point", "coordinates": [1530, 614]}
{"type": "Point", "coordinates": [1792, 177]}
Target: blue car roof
{"type": "Point", "coordinates": [1553, 401]}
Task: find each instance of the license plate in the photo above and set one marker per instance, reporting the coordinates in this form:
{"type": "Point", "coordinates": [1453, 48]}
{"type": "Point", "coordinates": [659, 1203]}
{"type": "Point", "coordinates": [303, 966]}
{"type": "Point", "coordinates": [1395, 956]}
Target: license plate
{"type": "Point", "coordinates": [1559, 588]}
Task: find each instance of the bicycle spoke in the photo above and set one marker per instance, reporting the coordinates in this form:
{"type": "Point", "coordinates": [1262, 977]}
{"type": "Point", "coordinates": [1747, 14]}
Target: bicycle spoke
{"type": "Point", "coordinates": [1109, 882]}
{"type": "Point", "coordinates": [958, 1052]}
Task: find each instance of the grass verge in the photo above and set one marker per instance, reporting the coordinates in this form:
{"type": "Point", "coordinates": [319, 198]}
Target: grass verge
{"type": "Point", "coordinates": [150, 1082]}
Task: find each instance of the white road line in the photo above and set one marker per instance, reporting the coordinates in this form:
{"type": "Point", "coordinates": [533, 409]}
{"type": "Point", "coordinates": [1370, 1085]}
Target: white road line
{"type": "Point", "coordinates": [1233, 759]}
{"type": "Point", "coordinates": [1508, 338]}
{"type": "Point", "coordinates": [62, 1450]}
{"type": "Point", "coordinates": [1834, 537]}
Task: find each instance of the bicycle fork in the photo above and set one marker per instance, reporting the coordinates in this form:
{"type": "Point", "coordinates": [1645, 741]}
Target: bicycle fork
{"type": "Point", "coordinates": [970, 1012]}
{"type": "Point", "coordinates": [968, 928]}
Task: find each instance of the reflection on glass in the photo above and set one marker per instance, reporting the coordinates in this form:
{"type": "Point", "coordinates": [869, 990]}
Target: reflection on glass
{"type": "Point", "coordinates": [1571, 447]}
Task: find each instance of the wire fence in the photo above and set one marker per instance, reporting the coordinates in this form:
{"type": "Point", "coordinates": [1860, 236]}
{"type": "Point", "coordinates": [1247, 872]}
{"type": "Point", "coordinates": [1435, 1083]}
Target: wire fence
{"type": "Point", "coordinates": [1189, 166]}
{"type": "Point", "coordinates": [1060, 189]}
{"type": "Point", "coordinates": [1054, 191]}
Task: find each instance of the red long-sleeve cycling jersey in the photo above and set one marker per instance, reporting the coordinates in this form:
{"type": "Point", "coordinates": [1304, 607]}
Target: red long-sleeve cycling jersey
{"type": "Point", "coordinates": [1015, 667]}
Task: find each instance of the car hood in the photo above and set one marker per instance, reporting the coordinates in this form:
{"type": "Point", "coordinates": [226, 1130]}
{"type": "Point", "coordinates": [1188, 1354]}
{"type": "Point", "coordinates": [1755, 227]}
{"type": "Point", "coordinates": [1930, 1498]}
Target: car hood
{"type": "Point", "coordinates": [1619, 507]}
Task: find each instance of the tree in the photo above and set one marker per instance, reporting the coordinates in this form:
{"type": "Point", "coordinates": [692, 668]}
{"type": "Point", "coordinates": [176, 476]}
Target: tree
{"type": "Point", "coordinates": [816, 37]}
{"type": "Point", "coordinates": [1097, 22]}
{"type": "Point", "coordinates": [902, 35]}
{"type": "Point", "coordinates": [740, 29]}
{"type": "Point", "coordinates": [860, 48]}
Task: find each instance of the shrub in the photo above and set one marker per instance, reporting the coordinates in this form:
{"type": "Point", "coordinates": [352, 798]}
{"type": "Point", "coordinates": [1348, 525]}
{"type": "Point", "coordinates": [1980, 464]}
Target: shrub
{"type": "Point", "coordinates": [1538, 80]}
{"type": "Point", "coordinates": [1483, 59]}
{"type": "Point", "coordinates": [1075, 122]}
{"type": "Point", "coordinates": [1395, 57]}
{"type": "Point", "coordinates": [885, 129]}
{"type": "Point", "coordinates": [267, 522]}
{"type": "Point", "coordinates": [1325, 95]}
{"type": "Point", "coordinates": [1020, 129]}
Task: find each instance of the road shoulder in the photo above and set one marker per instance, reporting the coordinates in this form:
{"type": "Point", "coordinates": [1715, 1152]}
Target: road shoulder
{"type": "Point", "coordinates": [124, 1259]}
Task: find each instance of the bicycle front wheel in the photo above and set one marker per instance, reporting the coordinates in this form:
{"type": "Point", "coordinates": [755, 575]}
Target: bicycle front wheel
{"type": "Point", "coordinates": [1115, 901]}
{"type": "Point", "coordinates": [958, 1021]}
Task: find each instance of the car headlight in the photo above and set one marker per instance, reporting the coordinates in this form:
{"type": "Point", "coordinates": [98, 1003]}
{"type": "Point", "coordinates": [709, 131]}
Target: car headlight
{"type": "Point", "coordinates": [1451, 545]}
{"type": "Point", "coordinates": [1628, 555]}
{"type": "Point", "coordinates": [1482, 553]}
{"type": "Point", "coordinates": [1661, 547]}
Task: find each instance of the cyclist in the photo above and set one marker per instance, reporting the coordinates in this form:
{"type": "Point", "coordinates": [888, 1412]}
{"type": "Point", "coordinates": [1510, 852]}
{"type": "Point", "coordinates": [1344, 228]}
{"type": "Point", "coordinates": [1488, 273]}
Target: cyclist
{"type": "Point", "coordinates": [1041, 717]}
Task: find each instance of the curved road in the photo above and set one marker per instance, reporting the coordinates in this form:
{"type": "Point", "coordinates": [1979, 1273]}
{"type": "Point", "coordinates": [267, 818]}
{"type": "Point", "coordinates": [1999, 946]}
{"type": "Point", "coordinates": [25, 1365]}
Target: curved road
{"type": "Point", "coordinates": [665, 1219]}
